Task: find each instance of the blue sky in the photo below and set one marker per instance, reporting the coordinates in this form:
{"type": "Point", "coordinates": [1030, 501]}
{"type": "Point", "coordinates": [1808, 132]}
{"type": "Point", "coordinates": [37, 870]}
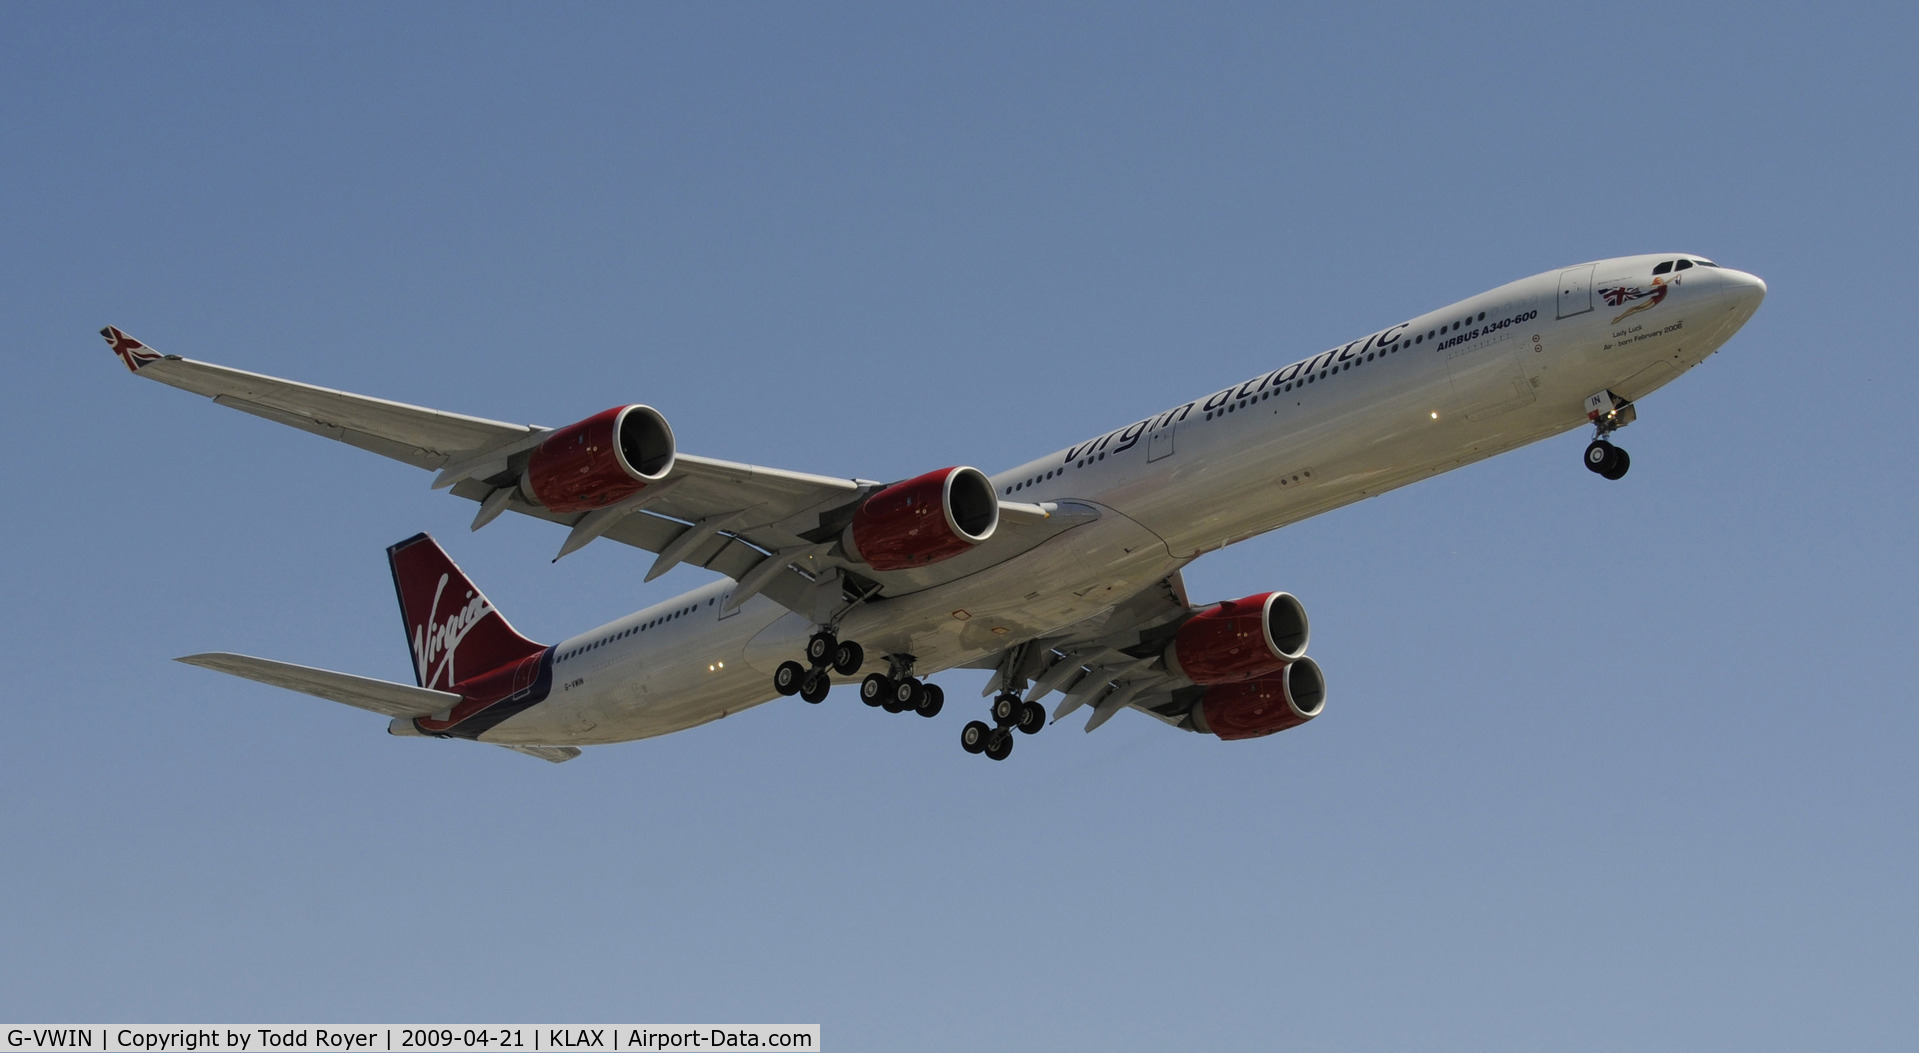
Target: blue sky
{"type": "Point", "coordinates": [1602, 766]}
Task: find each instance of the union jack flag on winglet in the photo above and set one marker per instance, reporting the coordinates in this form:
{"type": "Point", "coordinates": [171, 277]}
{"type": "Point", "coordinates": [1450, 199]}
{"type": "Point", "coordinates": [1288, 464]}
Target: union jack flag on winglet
{"type": "Point", "coordinates": [134, 353]}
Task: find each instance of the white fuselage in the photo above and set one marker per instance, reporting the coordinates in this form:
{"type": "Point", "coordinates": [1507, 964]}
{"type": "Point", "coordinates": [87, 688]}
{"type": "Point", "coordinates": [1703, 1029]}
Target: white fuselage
{"type": "Point", "coordinates": [1508, 367]}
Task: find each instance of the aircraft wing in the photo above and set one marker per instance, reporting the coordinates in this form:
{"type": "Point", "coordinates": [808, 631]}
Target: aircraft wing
{"type": "Point", "coordinates": [745, 521]}
{"type": "Point", "coordinates": [421, 437]}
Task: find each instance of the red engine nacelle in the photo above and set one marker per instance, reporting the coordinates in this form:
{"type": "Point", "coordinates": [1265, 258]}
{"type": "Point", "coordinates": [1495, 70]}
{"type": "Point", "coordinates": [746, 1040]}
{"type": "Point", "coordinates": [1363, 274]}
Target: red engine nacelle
{"type": "Point", "coordinates": [1240, 639]}
{"type": "Point", "coordinates": [924, 520]}
{"type": "Point", "coordinates": [603, 459]}
{"type": "Point", "coordinates": [1248, 709]}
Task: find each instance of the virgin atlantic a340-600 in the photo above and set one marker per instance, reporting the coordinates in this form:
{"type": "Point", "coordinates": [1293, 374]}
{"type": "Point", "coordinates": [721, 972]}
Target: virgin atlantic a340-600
{"type": "Point", "coordinates": [1061, 574]}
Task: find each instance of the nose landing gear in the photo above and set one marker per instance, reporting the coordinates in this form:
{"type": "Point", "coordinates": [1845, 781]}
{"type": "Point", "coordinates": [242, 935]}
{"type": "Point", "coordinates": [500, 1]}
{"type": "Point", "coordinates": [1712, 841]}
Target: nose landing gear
{"type": "Point", "coordinates": [1606, 459]}
{"type": "Point", "coordinates": [1609, 413]}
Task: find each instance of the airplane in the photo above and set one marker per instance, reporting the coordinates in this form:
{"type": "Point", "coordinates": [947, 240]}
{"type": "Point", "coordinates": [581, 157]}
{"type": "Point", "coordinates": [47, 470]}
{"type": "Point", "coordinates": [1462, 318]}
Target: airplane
{"type": "Point", "coordinates": [1059, 575]}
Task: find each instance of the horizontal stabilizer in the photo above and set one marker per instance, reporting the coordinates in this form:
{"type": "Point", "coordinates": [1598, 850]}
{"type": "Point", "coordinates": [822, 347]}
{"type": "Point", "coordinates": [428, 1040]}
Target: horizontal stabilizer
{"type": "Point", "coordinates": [380, 696]}
{"type": "Point", "coordinates": [556, 754]}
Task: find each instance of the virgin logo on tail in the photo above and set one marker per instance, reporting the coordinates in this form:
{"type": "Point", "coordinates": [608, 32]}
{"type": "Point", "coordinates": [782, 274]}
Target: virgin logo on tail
{"type": "Point", "coordinates": [436, 641]}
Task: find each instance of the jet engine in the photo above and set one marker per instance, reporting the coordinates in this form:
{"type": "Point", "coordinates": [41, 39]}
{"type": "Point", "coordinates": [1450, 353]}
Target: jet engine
{"type": "Point", "coordinates": [603, 459]}
{"type": "Point", "coordinates": [1240, 639]}
{"type": "Point", "coordinates": [924, 520]}
{"type": "Point", "coordinates": [1248, 709]}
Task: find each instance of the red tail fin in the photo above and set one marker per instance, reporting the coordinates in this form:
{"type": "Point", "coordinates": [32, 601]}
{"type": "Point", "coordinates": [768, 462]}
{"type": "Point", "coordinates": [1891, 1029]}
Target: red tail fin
{"type": "Point", "coordinates": [454, 632]}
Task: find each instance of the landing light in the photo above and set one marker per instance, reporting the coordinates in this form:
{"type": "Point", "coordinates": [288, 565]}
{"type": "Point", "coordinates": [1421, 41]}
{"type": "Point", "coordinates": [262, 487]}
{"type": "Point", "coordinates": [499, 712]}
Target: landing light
{"type": "Point", "coordinates": [1435, 414]}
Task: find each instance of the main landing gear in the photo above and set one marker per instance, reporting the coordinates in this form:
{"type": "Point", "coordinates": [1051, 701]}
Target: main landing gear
{"type": "Point", "coordinates": [824, 651]}
{"type": "Point", "coordinates": [898, 691]}
{"type": "Point", "coordinates": [1008, 713]}
{"type": "Point", "coordinates": [1609, 413]}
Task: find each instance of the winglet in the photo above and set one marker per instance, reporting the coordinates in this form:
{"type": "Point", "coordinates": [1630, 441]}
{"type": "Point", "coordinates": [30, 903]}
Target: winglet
{"type": "Point", "coordinates": [134, 353]}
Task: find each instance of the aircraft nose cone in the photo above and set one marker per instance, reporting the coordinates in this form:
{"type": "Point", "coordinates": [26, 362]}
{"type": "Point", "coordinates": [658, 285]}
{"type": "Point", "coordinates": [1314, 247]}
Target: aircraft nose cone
{"type": "Point", "coordinates": [1749, 288]}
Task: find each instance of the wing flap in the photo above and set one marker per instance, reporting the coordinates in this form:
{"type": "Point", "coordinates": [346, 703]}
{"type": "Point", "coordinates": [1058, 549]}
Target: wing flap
{"type": "Point", "coordinates": [379, 696]}
{"type": "Point", "coordinates": [554, 754]}
{"type": "Point", "coordinates": [399, 451]}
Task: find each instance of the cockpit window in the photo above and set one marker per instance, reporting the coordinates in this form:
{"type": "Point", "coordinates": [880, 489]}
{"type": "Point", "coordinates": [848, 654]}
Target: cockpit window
{"type": "Point", "coordinates": [1663, 268]}
{"type": "Point", "coordinates": [1682, 265]}
{"type": "Point", "coordinates": [1706, 263]}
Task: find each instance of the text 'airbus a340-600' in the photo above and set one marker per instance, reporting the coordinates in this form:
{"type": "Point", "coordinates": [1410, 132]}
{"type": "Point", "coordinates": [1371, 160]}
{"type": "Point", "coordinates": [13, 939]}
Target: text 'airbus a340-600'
{"type": "Point", "coordinates": [1059, 575]}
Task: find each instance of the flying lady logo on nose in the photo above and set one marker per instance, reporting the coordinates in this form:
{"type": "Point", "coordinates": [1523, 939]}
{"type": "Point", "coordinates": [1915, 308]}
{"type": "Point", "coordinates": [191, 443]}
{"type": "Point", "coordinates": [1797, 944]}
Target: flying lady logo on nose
{"type": "Point", "coordinates": [1620, 294]}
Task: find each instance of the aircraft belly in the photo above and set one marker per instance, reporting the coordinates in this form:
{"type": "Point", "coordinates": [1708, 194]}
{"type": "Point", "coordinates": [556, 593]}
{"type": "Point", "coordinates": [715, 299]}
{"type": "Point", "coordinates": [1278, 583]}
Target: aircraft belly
{"type": "Point", "coordinates": [1636, 358]}
{"type": "Point", "coordinates": [635, 709]}
{"type": "Point", "coordinates": [1371, 439]}
{"type": "Point", "coordinates": [691, 674]}
{"type": "Point", "coordinates": [1062, 582]}
{"type": "Point", "coordinates": [1299, 456]}
{"type": "Point", "coordinates": [1489, 377]}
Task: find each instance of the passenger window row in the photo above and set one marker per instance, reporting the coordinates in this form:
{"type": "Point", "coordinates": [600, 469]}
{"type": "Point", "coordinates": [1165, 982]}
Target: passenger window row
{"type": "Point", "coordinates": [640, 628]}
{"type": "Point", "coordinates": [1233, 407]}
{"type": "Point", "coordinates": [1390, 349]}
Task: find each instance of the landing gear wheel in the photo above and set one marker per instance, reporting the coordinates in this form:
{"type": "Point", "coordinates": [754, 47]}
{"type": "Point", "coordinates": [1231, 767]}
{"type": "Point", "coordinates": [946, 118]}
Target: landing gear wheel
{"type": "Point", "coordinates": [820, 648]}
{"type": "Point", "coordinates": [933, 700]}
{"type": "Point", "coordinates": [876, 689]}
{"type": "Point", "coordinates": [816, 686]}
{"type": "Point", "coordinates": [908, 693]}
{"type": "Point", "coordinates": [1006, 707]}
{"type": "Point", "coordinates": [788, 678]}
{"type": "Point", "coordinates": [1599, 456]}
{"type": "Point", "coordinates": [1032, 717]}
{"type": "Point", "coordinates": [999, 745]}
{"type": "Point", "coordinates": [1606, 459]}
{"type": "Point", "coordinates": [848, 657]}
{"type": "Point", "coordinates": [974, 735]}
{"type": "Point", "coordinates": [1618, 470]}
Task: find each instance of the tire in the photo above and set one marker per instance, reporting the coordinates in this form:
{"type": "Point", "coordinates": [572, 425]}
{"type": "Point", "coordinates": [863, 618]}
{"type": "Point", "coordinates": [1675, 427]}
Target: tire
{"type": "Point", "coordinates": [1600, 456]}
{"type": "Point", "coordinates": [1005, 710]}
{"type": "Point", "coordinates": [1032, 717]}
{"type": "Point", "coordinates": [974, 735]}
{"type": "Point", "coordinates": [934, 701]}
{"type": "Point", "coordinates": [820, 648]}
{"type": "Point", "coordinates": [848, 657]}
{"type": "Point", "coordinates": [788, 678]}
{"type": "Point", "coordinates": [816, 687]}
{"type": "Point", "coordinates": [876, 689]}
{"type": "Point", "coordinates": [1621, 462]}
{"type": "Point", "coordinates": [908, 693]}
{"type": "Point", "coordinates": [1000, 745]}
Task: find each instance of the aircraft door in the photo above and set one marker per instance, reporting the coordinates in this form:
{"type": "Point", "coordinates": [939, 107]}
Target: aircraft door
{"type": "Point", "coordinates": [1576, 290]}
{"type": "Point", "coordinates": [1159, 443]}
{"type": "Point", "coordinates": [528, 671]}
